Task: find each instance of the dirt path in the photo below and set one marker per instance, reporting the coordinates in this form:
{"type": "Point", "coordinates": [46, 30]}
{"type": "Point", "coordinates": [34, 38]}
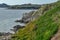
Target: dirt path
{"type": "Point", "coordinates": [57, 35]}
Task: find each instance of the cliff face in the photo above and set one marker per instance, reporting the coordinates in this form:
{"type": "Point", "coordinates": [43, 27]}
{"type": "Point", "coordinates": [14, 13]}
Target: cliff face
{"type": "Point", "coordinates": [43, 25]}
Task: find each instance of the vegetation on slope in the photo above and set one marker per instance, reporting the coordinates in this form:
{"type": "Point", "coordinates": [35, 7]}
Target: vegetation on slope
{"type": "Point", "coordinates": [41, 29]}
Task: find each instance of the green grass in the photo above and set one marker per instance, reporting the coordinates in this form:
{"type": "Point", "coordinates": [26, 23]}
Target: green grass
{"type": "Point", "coordinates": [46, 25]}
{"type": "Point", "coordinates": [42, 29]}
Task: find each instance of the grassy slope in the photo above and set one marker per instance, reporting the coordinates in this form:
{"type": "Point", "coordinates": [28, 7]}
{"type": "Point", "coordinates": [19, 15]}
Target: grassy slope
{"type": "Point", "coordinates": [43, 28]}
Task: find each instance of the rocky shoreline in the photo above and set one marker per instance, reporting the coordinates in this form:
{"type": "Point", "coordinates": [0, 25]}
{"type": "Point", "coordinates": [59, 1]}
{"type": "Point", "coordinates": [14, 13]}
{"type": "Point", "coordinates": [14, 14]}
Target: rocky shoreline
{"type": "Point", "coordinates": [5, 36]}
{"type": "Point", "coordinates": [26, 18]}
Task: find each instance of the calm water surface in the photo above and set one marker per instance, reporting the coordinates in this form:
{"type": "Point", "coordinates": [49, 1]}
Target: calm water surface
{"type": "Point", "coordinates": [7, 18]}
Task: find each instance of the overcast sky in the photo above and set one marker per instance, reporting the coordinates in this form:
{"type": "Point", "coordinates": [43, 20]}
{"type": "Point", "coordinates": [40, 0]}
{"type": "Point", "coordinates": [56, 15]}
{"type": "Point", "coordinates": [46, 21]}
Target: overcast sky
{"type": "Point", "coordinates": [14, 2]}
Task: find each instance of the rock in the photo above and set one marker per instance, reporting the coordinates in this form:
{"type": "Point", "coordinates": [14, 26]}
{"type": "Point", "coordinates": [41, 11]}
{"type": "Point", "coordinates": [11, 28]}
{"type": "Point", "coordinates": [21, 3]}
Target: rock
{"type": "Point", "coordinates": [26, 18]}
{"type": "Point", "coordinates": [22, 21]}
{"type": "Point", "coordinates": [17, 27]}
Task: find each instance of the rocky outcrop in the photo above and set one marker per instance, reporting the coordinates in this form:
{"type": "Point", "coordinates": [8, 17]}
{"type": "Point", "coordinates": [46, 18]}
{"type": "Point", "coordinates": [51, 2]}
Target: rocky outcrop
{"type": "Point", "coordinates": [26, 17]}
{"type": "Point", "coordinates": [17, 27]}
{"type": "Point", "coordinates": [5, 36]}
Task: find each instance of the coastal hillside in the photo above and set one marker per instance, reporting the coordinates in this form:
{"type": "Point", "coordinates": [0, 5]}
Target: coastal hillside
{"type": "Point", "coordinates": [44, 27]}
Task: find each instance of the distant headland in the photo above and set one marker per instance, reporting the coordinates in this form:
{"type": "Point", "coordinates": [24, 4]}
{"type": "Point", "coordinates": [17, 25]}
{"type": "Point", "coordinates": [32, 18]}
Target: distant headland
{"type": "Point", "coordinates": [4, 5]}
{"type": "Point", "coordinates": [23, 6]}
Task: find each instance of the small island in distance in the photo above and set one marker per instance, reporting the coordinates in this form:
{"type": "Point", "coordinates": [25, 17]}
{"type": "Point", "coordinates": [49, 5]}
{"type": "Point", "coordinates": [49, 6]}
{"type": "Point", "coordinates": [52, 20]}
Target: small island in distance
{"type": "Point", "coordinates": [22, 6]}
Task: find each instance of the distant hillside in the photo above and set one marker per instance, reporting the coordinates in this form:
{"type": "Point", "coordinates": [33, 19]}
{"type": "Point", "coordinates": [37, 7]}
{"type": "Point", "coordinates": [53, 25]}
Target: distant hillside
{"type": "Point", "coordinates": [25, 6]}
{"type": "Point", "coordinates": [4, 5]}
{"type": "Point", "coordinates": [45, 25]}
